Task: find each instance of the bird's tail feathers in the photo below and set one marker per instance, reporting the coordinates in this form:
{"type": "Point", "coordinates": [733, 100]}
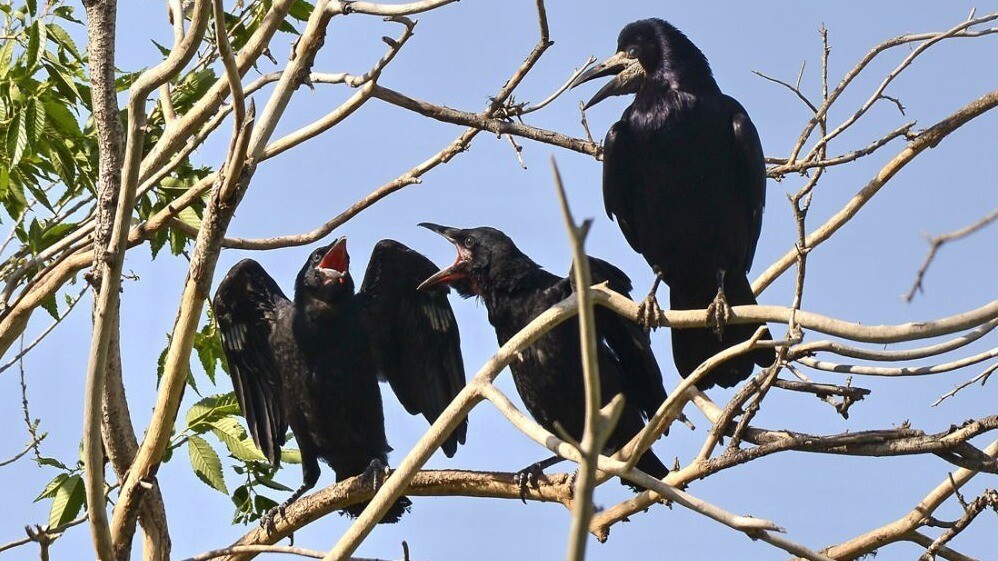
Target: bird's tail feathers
{"type": "Point", "coordinates": [402, 505]}
{"type": "Point", "coordinates": [650, 464]}
{"type": "Point", "coordinates": [691, 347]}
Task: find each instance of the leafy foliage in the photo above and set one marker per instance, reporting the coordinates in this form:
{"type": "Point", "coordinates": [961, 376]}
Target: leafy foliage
{"type": "Point", "coordinates": [48, 158]}
{"type": "Point", "coordinates": [66, 490]}
{"type": "Point", "coordinates": [48, 184]}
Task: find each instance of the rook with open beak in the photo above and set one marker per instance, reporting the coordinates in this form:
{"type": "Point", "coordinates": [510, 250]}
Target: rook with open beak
{"type": "Point", "coordinates": [313, 363]}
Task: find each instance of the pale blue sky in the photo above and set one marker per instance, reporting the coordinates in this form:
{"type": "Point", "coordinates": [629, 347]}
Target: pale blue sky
{"type": "Point", "coordinates": [459, 56]}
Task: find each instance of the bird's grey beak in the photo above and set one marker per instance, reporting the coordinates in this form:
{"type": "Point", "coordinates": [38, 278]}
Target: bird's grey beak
{"type": "Point", "coordinates": [628, 75]}
{"type": "Point", "coordinates": [452, 234]}
{"type": "Point", "coordinates": [456, 270]}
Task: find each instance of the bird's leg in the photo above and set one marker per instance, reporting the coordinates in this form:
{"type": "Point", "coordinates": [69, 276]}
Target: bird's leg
{"type": "Point", "coordinates": [267, 520]}
{"type": "Point", "coordinates": [719, 310]}
{"type": "Point", "coordinates": [649, 310]}
{"type": "Point", "coordinates": [528, 476]}
{"type": "Point", "coordinates": [375, 473]}
{"type": "Point", "coordinates": [571, 483]}
{"type": "Point", "coordinates": [310, 476]}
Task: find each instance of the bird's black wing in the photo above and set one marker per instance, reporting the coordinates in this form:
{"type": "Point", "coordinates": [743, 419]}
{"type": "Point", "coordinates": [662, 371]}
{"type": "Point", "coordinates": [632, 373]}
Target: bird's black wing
{"type": "Point", "coordinates": [627, 343]}
{"type": "Point", "coordinates": [246, 306]}
{"type": "Point", "coordinates": [751, 166]}
{"type": "Point", "coordinates": [619, 181]}
{"type": "Point", "coordinates": [413, 333]}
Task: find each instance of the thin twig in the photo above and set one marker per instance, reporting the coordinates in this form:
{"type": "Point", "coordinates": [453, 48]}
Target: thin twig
{"type": "Point", "coordinates": [982, 378]}
{"type": "Point", "coordinates": [936, 242]}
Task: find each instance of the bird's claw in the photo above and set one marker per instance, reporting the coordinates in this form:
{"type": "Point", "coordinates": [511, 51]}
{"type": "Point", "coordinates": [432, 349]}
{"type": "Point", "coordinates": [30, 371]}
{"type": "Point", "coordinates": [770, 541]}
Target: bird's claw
{"type": "Point", "coordinates": [649, 313]}
{"type": "Point", "coordinates": [571, 483]}
{"type": "Point", "coordinates": [718, 313]}
{"type": "Point", "coordinates": [526, 478]}
{"type": "Point", "coordinates": [375, 473]}
{"type": "Point", "coordinates": [267, 523]}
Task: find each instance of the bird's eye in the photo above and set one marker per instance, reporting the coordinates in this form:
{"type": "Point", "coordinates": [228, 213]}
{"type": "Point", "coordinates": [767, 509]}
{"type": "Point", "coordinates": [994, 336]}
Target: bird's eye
{"type": "Point", "coordinates": [469, 242]}
{"type": "Point", "coordinates": [632, 52]}
{"type": "Point", "coordinates": [316, 256]}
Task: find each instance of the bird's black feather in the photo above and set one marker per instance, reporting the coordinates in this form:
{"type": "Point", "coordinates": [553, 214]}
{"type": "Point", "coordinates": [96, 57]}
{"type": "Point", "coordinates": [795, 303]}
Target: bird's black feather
{"type": "Point", "coordinates": [414, 333]}
{"type": "Point", "coordinates": [247, 306]}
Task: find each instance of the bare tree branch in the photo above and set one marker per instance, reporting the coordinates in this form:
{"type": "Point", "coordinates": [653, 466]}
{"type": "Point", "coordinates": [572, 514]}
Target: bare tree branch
{"type": "Point", "coordinates": [924, 140]}
{"type": "Point", "coordinates": [935, 242]}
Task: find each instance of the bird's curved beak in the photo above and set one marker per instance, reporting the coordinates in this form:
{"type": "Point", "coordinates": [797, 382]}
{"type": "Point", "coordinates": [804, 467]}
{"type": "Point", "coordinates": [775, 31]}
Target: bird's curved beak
{"type": "Point", "coordinates": [335, 263]}
{"type": "Point", "coordinates": [628, 75]}
{"type": "Point", "coordinates": [458, 269]}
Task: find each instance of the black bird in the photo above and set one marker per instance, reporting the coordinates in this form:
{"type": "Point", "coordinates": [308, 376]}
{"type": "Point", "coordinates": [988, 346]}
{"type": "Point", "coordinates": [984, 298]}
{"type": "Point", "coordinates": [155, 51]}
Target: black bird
{"type": "Point", "coordinates": [314, 363]}
{"type": "Point", "coordinates": [684, 176]}
{"type": "Point", "coordinates": [548, 374]}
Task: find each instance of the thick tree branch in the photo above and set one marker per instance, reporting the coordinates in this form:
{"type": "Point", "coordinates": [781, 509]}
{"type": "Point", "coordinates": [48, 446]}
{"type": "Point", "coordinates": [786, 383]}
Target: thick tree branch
{"type": "Point", "coordinates": [101, 18]}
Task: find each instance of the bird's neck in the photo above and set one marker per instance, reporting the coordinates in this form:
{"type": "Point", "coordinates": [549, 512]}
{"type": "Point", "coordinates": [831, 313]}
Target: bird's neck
{"type": "Point", "coordinates": [662, 100]}
{"type": "Point", "coordinates": [508, 295]}
{"type": "Point", "coordinates": [318, 324]}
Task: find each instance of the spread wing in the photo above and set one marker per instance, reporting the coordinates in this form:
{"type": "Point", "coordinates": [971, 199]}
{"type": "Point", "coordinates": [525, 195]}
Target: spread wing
{"type": "Point", "coordinates": [413, 333]}
{"type": "Point", "coordinates": [246, 307]}
{"type": "Point", "coordinates": [628, 345]}
{"type": "Point", "coordinates": [619, 180]}
{"type": "Point", "coordinates": [753, 170]}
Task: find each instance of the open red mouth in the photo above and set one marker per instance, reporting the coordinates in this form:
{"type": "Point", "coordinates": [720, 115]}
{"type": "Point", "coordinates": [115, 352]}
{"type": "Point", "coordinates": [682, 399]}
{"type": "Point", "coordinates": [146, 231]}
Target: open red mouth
{"type": "Point", "coordinates": [336, 259]}
{"type": "Point", "coordinates": [447, 275]}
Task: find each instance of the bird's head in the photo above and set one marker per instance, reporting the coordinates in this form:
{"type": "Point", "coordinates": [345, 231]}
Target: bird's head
{"type": "Point", "coordinates": [485, 256]}
{"type": "Point", "coordinates": [326, 275]}
{"type": "Point", "coordinates": [650, 49]}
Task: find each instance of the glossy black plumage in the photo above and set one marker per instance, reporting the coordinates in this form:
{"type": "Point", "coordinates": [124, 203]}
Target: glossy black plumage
{"type": "Point", "coordinates": [685, 179]}
{"type": "Point", "coordinates": [548, 374]}
{"type": "Point", "coordinates": [313, 364]}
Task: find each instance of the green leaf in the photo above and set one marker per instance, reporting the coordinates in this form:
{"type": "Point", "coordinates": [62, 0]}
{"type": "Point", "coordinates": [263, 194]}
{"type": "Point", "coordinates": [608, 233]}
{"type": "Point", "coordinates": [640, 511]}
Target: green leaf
{"type": "Point", "coordinates": [157, 241]}
{"type": "Point", "coordinates": [49, 491]}
{"type": "Point", "coordinates": [232, 434]}
{"type": "Point", "coordinates": [241, 498]}
{"type": "Point", "coordinates": [178, 241]}
{"type": "Point", "coordinates": [17, 139]}
{"type": "Point", "coordinates": [165, 51]}
{"type": "Point", "coordinates": [64, 83]}
{"type": "Point", "coordinates": [62, 119]}
{"type": "Point", "coordinates": [263, 504]}
{"type": "Point", "coordinates": [161, 362]}
{"type": "Point", "coordinates": [211, 409]}
{"type": "Point", "coordinates": [55, 233]}
{"type": "Point", "coordinates": [32, 7]}
{"type": "Point", "coordinates": [209, 346]}
{"type": "Point", "coordinates": [188, 216]}
{"type": "Point", "coordinates": [270, 483]}
{"type": "Point", "coordinates": [207, 466]}
{"type": "Point", "coordinates": [5, 186]}
{"type": "Point", "coordinates": [6, 55]}
{"type": "Point", "coordinates": [66, 13]}
{"type": "Point", "coordinates": [63, 39]}
{"type": "Point", "coordinates": [50, 306]}
{"type": "Point", "coordinates": [68, 501]}
{"type": "Point", "coordinates": [36, 45]}
{"type": "Point", "coordinates": [301, 10]}
{"type": "Point", "coordinates": [36, 119]}
{"type": "Point", "coordinates": [45, 461]}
